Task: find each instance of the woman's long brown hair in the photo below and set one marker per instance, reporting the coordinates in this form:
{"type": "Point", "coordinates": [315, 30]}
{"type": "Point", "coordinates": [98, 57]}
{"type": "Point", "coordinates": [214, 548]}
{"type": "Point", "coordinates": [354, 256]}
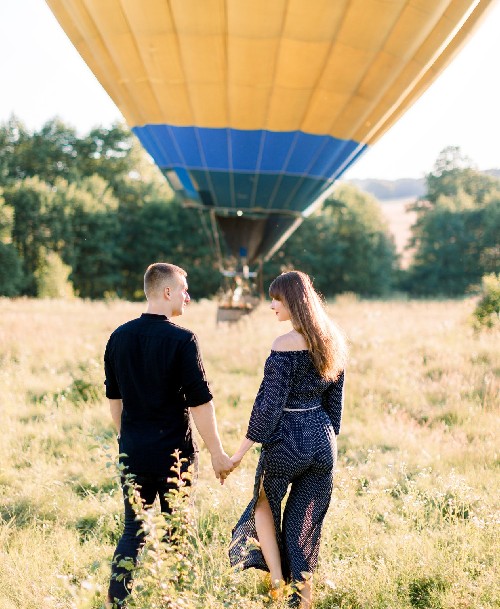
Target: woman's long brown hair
{"type": "Point", "coordinates": [324, 340]}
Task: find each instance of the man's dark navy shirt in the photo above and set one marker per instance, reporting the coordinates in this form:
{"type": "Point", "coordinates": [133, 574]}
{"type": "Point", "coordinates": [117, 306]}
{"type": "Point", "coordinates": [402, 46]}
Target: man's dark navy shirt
{"type": "Point", "coordinates": [155, 368]}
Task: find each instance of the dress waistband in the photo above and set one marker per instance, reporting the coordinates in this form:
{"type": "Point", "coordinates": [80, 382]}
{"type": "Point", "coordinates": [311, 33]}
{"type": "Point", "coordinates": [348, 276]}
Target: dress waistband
{"type": "Point", "coordinates": [300, 409]}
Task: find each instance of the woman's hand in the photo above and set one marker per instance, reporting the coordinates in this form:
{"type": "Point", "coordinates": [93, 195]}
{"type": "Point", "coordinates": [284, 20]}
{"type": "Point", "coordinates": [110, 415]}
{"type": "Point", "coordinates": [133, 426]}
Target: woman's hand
{"type": "Point", "coordinates": [236, 459]}
{"type": "Point", "coordinates": [245, 445]}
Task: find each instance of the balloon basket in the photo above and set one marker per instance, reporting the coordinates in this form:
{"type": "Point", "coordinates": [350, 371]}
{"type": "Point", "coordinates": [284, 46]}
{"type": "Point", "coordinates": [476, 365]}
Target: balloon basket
{"type": "Point", "coordinates": [238, 298]}
{"type": "Point", "coordinates": [228, 314]}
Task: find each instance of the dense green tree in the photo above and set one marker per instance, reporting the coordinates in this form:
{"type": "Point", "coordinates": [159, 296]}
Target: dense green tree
{"type": "Point", "coordinates": [14, 137]}
{"type": "Point", "coordinates": [456, 233]}
{"type": "Point", "coordinates": [489, 259]}
{"type": "Point", "coordinates": [76, 221]}
{"type": "Point", "coordinates": [93, 250]}
{"type": "Point", "coordinates": [455, 247]}
{"type": "Point", "coordinates": [48, 153]}
{"type": "Point", "coordinates": [345, 247]}
{"type": "Point", "coordinates": [30, 199]}
{"type": "Point", "coordinates": [453, 174]}
{"type": "Point", "coordinates": [6, 220]}
{"type": "Point", "coordinates": [110, 153]}
{"type": "Point", "coordinates": [133, 193]}
{"type": "Point", "coordinates": [165, 230]}
{"type": "Point", "coordinates": [11, 274]}
{"type": "Point", "coordinates": [56, 151]}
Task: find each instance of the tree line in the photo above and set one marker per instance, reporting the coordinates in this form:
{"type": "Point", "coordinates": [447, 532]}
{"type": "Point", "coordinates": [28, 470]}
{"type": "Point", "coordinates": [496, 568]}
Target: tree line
{"type": "Point", "coordinates": [86, 215]}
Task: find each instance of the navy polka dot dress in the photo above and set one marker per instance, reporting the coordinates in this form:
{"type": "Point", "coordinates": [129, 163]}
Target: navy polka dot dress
{"type": "Point", "coordinates": [296, 416]}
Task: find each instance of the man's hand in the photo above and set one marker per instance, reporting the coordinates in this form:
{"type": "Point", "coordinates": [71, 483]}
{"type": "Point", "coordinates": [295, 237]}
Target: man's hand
{"type": "Point", "coordinates": [204, 419]}
{"type": "Point", "coordinates": [222, 465]}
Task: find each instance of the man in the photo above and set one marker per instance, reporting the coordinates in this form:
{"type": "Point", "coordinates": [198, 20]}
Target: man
{"type": "Point", "coordinates": [154, 379]}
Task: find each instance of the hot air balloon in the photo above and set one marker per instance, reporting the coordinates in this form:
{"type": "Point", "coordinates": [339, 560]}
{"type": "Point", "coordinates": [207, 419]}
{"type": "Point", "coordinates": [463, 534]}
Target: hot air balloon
{"type": "Point", "coordinates": [253, 108]}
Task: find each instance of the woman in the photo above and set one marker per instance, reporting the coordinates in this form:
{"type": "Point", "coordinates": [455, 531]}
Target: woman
{"type": "Point", "coordinates": [296, 417]}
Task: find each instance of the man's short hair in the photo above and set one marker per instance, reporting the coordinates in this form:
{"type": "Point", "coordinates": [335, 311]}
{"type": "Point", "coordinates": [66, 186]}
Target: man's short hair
{"type": "Point", "coordinates": [160, 274]}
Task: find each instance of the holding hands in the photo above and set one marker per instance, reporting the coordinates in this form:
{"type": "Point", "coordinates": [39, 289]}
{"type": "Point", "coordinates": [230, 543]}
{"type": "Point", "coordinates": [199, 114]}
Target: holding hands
{"type": "Point", "coordinates": [204, 419]}
{"type": "Point", "coordinates": [224, 465]}
{"type": "Point", "coordinates": [237, 458]}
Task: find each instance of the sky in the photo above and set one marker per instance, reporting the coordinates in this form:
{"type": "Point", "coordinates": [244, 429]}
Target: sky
{"type": "Point", "coordinates": [43, 76]}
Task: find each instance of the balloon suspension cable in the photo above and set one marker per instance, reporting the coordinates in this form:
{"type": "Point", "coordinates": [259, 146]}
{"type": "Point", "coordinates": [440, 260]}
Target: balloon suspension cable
{"type": "Point", "coordinates": [208, 232]}
{"type": "Point", "coordinates": [216, 238]}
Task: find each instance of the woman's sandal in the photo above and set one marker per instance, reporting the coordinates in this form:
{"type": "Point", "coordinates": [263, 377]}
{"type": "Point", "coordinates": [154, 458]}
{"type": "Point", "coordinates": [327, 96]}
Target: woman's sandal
{"type": "Point", "coordinates": [278, 590]}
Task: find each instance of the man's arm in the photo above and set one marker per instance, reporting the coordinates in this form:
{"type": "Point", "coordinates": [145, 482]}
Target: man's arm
{"type": "Point", "coordinates": [116, 408]}
{"type": "Point", "coordinates": [112, 390]}
{"type": "Point", "coordinates": [206, 424]}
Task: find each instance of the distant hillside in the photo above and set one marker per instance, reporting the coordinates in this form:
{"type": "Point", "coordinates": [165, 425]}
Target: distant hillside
{"type": "Point", "coordinates": [404, 188]}
{"type": "Point", "coordinates": [493, 172]}
{"type": "Point", "coordinates": [384, 190]}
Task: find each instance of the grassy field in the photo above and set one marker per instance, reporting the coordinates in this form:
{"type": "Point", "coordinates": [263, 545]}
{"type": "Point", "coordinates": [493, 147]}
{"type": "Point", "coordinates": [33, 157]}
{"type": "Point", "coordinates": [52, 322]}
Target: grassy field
{"type": "Point", "coordinates": [414, 517]}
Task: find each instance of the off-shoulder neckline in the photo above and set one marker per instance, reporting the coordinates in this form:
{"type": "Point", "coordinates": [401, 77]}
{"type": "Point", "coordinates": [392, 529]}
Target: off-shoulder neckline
{"type": "Point", "coordinates": [290, 351]}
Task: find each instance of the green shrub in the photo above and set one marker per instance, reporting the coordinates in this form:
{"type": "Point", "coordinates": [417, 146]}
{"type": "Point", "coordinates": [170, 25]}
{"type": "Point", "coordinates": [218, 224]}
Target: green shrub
{"type": "Point", "coordinates": [424, 592]}
{"type": "Point", "coordinates": [86, 387]}
{"type": "Point", "coordinates": [487, 311]}
{"type": "Point", "coordinates": [52, 278]}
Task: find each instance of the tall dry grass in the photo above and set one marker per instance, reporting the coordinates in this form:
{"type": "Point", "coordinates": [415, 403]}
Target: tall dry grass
{"type": "Point", "coordinates": [414, 517]}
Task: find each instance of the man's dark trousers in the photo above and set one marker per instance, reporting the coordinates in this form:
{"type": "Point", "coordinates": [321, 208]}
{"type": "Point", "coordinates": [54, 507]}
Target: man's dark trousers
{"type": "Point", "coordinates": [149, 486]}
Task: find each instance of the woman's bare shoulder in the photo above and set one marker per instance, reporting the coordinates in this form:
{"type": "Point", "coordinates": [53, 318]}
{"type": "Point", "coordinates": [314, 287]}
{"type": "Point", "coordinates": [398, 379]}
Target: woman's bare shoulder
{"type": "Point", "coordinates": [291, 341]}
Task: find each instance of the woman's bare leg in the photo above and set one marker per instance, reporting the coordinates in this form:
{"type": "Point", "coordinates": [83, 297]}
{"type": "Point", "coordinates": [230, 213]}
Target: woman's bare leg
{"type": "Point", "coordinates": [266, 532]}
{"type": "Point", "coordinates": [306, 594]}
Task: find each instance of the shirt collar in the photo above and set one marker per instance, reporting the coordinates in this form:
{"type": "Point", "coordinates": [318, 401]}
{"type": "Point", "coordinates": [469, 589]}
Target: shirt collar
{"type": "Point", "coordinates": [154, 316]}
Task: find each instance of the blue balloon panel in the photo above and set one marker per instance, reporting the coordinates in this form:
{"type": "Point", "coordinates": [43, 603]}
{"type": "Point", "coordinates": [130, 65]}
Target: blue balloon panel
{"type": "Point", "coordinates": [291, 152]}
{"type": "Point", "coordinates": [258, 183]}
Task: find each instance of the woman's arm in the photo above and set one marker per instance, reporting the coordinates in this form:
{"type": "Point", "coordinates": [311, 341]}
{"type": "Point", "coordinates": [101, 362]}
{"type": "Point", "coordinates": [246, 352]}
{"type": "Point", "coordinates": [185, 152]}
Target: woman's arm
{"type": "Point", "coordinates": [333, 402]}
{"type": "Point", "coordinates": [245, 446]}
{"type": "Point", "coordinates": [264, 424]}
{"type": "Point", "coordinates": [268, 406]}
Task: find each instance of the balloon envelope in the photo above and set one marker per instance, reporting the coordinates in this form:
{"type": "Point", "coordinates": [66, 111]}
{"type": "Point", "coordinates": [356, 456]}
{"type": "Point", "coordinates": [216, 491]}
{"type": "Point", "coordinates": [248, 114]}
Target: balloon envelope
{"type": "Point", "coordinates": [251, 108]}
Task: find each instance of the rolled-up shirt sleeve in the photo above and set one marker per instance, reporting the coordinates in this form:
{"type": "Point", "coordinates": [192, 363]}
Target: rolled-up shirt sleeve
{"type": "Point", "coordinates": [333, 402]}
{"type": "Point", "coordinates": [271, 398]}
{"type": "Point", "coordinates": [111, 383]}
{"type": "Point", "coordinates": [193, 378]}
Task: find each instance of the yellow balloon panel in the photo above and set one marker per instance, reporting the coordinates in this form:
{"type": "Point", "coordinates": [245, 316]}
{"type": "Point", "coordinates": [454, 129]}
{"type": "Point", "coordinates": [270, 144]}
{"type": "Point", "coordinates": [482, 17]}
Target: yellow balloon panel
{"type": "Point", "coordinates": [313, 23]}
{"type": "Point", "coordinates": [269, 23]}
{"type": "Point", "coordinates": [330, 68]}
